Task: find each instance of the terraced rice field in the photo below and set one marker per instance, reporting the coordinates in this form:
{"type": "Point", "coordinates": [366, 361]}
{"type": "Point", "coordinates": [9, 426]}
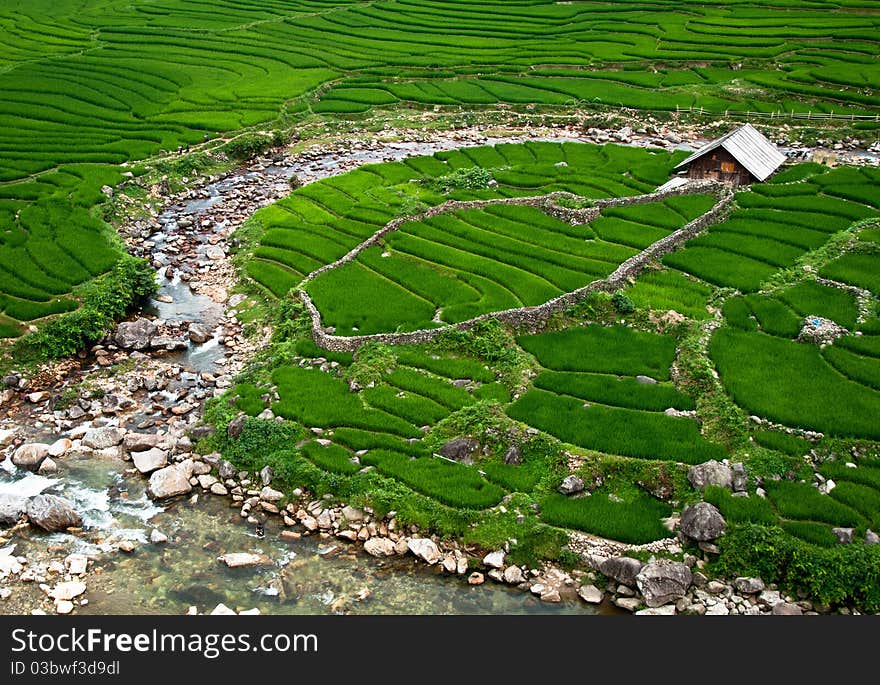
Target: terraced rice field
{"type": "Point", "coordinates": [460, 265]}
{"type": "Point", "coordinates": [88, 86]}
{"type": "Point", "coordinates": [803, 512]}
{"type": "Point", "coordinates": [442, 263]}
{"type": "Point", "coordinates": [776, 224]}
{"type": "Point", "coordinates": [833, 388]}
{"type": "Point", "coordinates": [383, 423]}
{"type": "Point", "coordinates": [606, 389]}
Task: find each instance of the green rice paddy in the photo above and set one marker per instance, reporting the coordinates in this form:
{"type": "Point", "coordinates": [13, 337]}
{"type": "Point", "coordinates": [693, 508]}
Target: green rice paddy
{"type": "Point", "coordinates": [88, 86]}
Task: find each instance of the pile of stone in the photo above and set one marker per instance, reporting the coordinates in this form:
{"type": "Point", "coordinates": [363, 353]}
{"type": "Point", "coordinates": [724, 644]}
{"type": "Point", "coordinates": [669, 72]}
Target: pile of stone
{"type": "Point", "coordinates": [820, 331]}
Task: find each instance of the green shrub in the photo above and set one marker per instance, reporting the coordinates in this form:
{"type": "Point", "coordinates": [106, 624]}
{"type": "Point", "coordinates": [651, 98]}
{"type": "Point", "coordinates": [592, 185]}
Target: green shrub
{"type": "Point", "coordinates": [258, 439]}
{"type": "Point", "coordinates": [373, 362]}
{"type": "Point", "coordinates": [248, 145]}
{"type": "Point", "coordinates": [104, 301]}
{"type": "Point", "coordinates": [464, 178]}
{"type": "Point", "coordinates": [622, 303]}
{"type": "Point", "coordinates": [843, 574]}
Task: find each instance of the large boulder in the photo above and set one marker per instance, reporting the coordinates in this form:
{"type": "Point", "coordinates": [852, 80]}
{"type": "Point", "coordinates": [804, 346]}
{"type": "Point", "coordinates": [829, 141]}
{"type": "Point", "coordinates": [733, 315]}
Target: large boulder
{"type": "Point", "coordinates": [198, 333]}
{"type": "Point", "coordinates": [702, 522]}
{"type": "Point", "coordinates": [461, 449]}
{"type": "Point", "coordinates": [169, 482]}
{"type": "Point", "coordinates": [150, 460]}
{"type": "Point", "coordinates": [12, 507]}
{"type": "Point", "coordinates": [52, 513]}
{"type": "Point", "coordinates": [103, 437]}
{"type": "Point", "coordinates": [135, 335]}
{"type": "Point", "coordinates": [622, 569]}
{"type": "Point", "coordinates": [571, 485]}
{"type": "Point", "coordinates": [710, 473]}
{"type": "Point", "coordinates": [29, 455]}
{"type": "Point", "coordinates": [663, 581]}
{"type": "Point", "coordinates": [745, 585]}
{"type": "Point", "coordinates": [236, 426]}
{"type": "Point", "coordinates": [138, 442]}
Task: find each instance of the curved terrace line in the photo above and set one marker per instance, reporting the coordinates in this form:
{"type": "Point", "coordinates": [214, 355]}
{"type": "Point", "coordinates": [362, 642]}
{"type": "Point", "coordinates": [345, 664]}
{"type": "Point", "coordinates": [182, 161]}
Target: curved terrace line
{"type": "Point", "coordinates": [547, 203]}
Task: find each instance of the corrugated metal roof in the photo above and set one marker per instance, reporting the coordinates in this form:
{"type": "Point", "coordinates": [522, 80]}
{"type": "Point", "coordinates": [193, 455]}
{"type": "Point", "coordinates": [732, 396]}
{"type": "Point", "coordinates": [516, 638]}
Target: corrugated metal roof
{"type": "Point", "coordinates": [749, 147]}
{"type": "Point", "coordinates": [673, 183]}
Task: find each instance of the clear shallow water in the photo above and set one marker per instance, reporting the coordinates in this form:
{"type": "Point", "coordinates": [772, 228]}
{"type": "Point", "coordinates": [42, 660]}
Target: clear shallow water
{"type": "Point", "coordinates": [308, 576]}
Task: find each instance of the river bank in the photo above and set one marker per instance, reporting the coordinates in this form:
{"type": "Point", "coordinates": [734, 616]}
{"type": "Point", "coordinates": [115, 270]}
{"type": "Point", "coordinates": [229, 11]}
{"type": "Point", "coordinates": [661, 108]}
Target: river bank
{"type": "Point", "coordinates": [136, 401]}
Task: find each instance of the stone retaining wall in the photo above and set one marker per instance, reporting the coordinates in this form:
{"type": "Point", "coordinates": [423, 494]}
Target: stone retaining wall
{"type": "Point", "coordinates": [527, 316]}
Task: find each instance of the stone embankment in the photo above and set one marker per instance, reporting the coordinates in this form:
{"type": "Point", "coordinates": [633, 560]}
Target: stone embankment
{"type": "Point", "coordinates": [526, 316]}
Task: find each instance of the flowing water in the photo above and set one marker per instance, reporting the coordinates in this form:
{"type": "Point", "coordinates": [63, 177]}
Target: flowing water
{"type": "Point", "coordinates": [308, 576]}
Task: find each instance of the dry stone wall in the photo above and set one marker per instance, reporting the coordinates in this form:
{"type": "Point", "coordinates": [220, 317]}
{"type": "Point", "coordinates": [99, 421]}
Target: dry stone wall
{"type": "Point", "coordinates": [528, 316]}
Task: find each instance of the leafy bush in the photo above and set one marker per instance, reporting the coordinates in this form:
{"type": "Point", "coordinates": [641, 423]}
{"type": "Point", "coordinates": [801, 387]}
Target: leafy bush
{"type": "Point", "coordinates": [464, 178]}
{"type": "Point", "coordinates": [622, 303]}
{"type": "Point", "coordinates": [372, 363]}
{"type": "Point", "coordinates": [104, 301]}
{"type": "Point", "coordinates": [247, 145]}
{"type": "Point", "coordinates": [844, 574]}
{"type": "Point", "coordinates": [259, 438]}
{"type": "Point", "coordinates": [291, 319]}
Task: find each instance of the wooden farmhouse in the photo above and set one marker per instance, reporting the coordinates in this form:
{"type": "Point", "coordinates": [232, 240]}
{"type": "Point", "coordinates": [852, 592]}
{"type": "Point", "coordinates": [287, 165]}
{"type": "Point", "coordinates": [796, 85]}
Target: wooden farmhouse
{"type": "Point", "coordinates": [740, 157]}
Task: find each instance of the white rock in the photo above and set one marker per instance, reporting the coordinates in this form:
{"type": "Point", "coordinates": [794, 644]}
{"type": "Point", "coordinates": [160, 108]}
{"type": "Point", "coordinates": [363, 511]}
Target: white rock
{"type": "Point", "coordinates": [244, 559]}
{"type": "Point", "coordinates": [157, 537]}
{"type": "Point", "coordinates": [718, 609]}
{"type": "Point", "coordinates": [494, 559]}
{"type": "Point", "coordinates": [424, 549]}
{"type": "Point", "coordinates": [76, 564]}
{"type": "Point", "coordinates": [590, 594]}
{"type": "Point", "coordinates": [63, 606]}
{"type": "Point", "coordinates": [206, 480]}
{"type": "Point", "coordinates": [513, 575]}
{"type": "Point", "coordinates": [379, 547]}
{"type": "Point", "coordinates": [666, 610]}
{"type": "Point", "coordinates": [222, 610]}
{"type": "Point", "coordinates": [60, 447]}
{"type": "Point", "coordinates": [270, 495]}
{"type": "Point", "coordinates": [150, 460]}
{"type": "Point", "coordinates": [68, 590]}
